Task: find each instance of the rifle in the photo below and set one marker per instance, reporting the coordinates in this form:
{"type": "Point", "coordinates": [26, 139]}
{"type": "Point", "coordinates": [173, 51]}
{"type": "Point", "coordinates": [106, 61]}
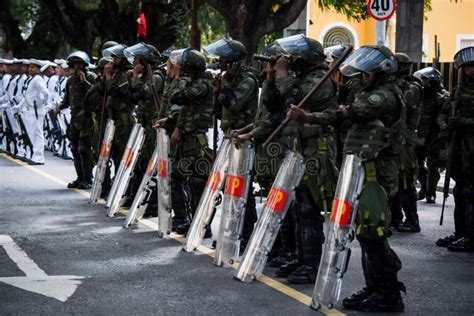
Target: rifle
{"type": "Point", "coordinates": [215, 136]}
{"type": "Point", "coordinates": [24, 137]}
{"type": "Point", "coordinates": [9, 134]}
{"type": "Point", "coordinates": [156, 98]}
{"type": "Point", "coordinates": [447, 175]}
{"type": "Point", "coordinates": [301, 104]}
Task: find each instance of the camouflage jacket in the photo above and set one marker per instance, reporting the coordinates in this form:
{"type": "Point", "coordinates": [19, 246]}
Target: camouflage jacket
{"type": "Point", "coordinates": [142, 94]}
{"type": "Point", "coordinates": [195, 99]}
{"type": "Point", "coordinates": [348, 89]}
{"type": "Point", "coordinates": [237, 101]}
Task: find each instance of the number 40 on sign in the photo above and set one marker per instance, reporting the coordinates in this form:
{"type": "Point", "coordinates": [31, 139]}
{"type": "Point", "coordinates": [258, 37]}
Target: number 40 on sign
{"type": "Point", "coordinates": [381, 9]}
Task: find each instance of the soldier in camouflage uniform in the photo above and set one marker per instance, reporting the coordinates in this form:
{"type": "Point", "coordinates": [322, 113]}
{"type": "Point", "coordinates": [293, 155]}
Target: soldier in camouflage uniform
{"type": "Point", "coordinates": [406, 196]}
{"type": "Point", "coordinates": [315, 192]}
{"type": "Point", "coordinates": [429, 142]}
{"type": "Point", "coordinates": [81, 127]}
{"type": "Point", "coordinates": [457, 114]}
{"type": "Point", "coordinates": [142, 90]}
{"type": "Point", "coordinates": [167, 118]}
{"type": "Point", "coordinates": [347, 90]}
{"type": "Point", "coordinates": [119, 106]}
{"type": "Point", "coordinates": [378, 116]}
{"type": "Point", "coordinates": [191, 155]}
{"type": "Point", "coordinates": [235, 104]}
{"type": "Point", "coordinates": [268, 159]}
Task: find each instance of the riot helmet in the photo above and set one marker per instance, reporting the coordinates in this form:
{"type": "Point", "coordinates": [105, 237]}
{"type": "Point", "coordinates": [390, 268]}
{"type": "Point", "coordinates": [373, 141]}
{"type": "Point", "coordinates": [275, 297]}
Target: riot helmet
{"type": "Point", "coordinates": [116, 50]}
{"type": "Point", "coordinates": [108, 44]}
{"type": "Point", "coordinates": [429, 73]}
{"type": "Point", "coordinates": [369, 59]}
{"type": "Point", "coordinates": [335, 52]}
{"type": "Point", "coordinates": [78, 56]}
{"type": "Point", "coordinates": [228, 49]}
{"type": "Point", "coordinates": [308, 49]}
{"type": "Point", "coordinates": [464, 57]}
{"type": "Point", "coordinates": [142, 50]}
{"type": "Point", "coordinates": [193, 60]}
{"type": "Point", "coordinates": [272, 49]}
{"type": "Point", "coordinates": [176, 57]}
{"type": "Point", "coordinates": [404, 62]}
{"type": "Point", "coordinates": [103, 61]}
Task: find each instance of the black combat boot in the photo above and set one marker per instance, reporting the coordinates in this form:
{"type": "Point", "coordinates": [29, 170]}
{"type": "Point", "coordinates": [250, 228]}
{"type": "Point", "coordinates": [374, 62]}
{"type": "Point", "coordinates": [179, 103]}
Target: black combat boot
{"type": "Point", "coordinates": [446, 241]}
{"type": "Point", "coordinates": [286, 269]}
{"type": "Point", "coordinates": [281, 259]}
{"type": "Point", "coordinates": [388, 299]}
{"type": "Point", "coordinates": [74, 184]}
{"type": "Point", "coordinates": [421, 195]}
{"type": "Point", "coordinates": [383, 302]}
{"type": "Point", "coordinates": [304, 274]}
{"type": "Point", "coordinates": [409, 227]}
{"type": "Point", "coordinates": [353, 301]}
{"type": "Point", "coordinates": [85, 185]}
{"type": "Point", "coordinates": [431, 199]}
{"type": "Point", "coordinates": [461, 245]}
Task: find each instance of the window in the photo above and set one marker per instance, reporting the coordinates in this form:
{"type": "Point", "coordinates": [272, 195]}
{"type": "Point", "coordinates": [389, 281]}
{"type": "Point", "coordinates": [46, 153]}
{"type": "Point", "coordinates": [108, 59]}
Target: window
{"type": "Point", "coordinates": [338, 35]}
{"type": "Point", "coordinates": [464, 40]}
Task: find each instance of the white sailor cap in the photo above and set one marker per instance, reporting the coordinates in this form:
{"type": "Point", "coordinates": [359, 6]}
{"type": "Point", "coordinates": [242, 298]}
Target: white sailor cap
{"type": "Point", "coordinates": [36, 62]}
{"type": "Point", "coordinates": [46, 64]}
{"type": "Point", "coordinates": [59, 61]}
{"type": "Point", "coordinates": [7, 61]}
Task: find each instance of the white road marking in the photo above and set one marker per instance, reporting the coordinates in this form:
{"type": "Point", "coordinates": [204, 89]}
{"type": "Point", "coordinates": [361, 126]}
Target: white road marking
{"type": "Point", "coordinates": [59, 287]}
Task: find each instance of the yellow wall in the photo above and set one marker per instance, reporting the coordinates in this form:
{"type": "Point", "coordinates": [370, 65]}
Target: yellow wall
{"type": "Point", "coordinates": [447, 20]}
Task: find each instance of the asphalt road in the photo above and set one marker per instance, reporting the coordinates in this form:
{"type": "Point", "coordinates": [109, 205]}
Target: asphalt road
{"type": "Point", "coordinates": [132, 271]}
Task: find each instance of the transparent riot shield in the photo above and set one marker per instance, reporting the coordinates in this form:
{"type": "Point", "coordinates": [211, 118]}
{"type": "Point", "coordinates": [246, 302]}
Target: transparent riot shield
{"type": "Point", "coordinates": [131, 157]}
{"type": "Point", "coordinates": [102, 163]}
{"type": "Point", "coordinates": [207, 202]}
{"type": "Point", "coordinates": [236, 189]}
{"type": "Point", "coordinates": [163, 183]}
{"type": "Point", "coordinates": [266, 230]}
{"type": "Point", "coordinates": [120, 169]}
{"type": "Point", "coordinates": [341, 232]}
{"type": "Point", "coordinates": [140, 202]}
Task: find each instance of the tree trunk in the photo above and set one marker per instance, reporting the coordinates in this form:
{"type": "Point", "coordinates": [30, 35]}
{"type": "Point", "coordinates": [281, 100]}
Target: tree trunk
{"type": "Point", "coordinates": [409, 36]}
{"type": "Point", "coordinates": [195, 32]}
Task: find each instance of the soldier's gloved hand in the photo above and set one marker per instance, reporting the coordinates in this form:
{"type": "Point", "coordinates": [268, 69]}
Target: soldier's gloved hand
{"type": "Point", "coordinates": [299, 115]}
{"type": "Point", "coordinates": [456, 121]}
{"type": "Point", "coordinates": [241, 138]}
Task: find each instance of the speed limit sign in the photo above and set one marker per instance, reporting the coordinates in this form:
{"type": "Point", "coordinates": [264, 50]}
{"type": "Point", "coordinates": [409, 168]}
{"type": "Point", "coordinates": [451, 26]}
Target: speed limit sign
{"type": "Point", "coordinates": [381, 9]}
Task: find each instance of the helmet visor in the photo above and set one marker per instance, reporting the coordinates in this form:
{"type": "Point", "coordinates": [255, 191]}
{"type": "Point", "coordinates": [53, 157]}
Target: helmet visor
{"type": "Point", "coordinates": [272, 49]}
{"type": "Point", "coordinates": [116, 50]}
{"type": "Point", "coordinates": [369, 60]}
{"type": "Point", "coordinates": [463, 57]}
{"type": "Point", "coordinates": [137, 51]}
{"type": "Point", "coordinates": [176, 57]}
{"type": "Point", "coordinates": [219, 49]}
{"type": "Point", "coordinates": [429, 73]}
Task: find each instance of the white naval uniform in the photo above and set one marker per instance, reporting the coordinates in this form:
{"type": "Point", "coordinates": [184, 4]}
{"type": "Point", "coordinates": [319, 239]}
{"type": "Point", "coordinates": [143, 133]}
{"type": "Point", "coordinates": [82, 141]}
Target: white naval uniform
{"type": "Point", "coordinates": [34, 105]}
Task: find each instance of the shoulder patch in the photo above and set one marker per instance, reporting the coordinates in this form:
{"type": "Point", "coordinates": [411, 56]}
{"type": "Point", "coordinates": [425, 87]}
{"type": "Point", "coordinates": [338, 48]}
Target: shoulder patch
{"type": "Point", "coordinates": [375, 99]}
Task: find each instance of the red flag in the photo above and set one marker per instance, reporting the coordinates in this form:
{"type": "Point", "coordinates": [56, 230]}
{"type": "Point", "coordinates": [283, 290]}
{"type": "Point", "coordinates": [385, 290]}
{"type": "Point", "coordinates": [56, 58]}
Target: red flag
{"type": "Point", "coordinates": [141, 24]}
